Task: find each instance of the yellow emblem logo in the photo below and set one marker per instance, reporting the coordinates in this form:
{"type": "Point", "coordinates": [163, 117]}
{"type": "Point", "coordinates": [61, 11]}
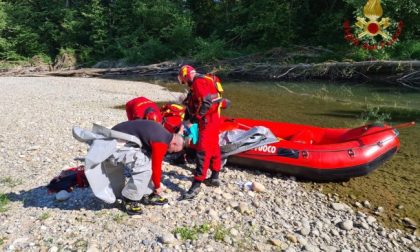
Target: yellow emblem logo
{"type": "Point", "coordinates": [371, 26]}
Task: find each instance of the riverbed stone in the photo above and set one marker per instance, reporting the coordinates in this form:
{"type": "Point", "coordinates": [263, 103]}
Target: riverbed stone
{"type": "Point", "coordinates": [346, 225]}
{"type": "Point", "coordinates": [258, 187]}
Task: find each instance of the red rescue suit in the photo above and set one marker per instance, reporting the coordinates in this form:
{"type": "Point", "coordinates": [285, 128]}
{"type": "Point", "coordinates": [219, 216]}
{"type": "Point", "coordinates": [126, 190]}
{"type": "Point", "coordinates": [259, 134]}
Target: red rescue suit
{"type": "Point", "coordinates": [203, 106]}
{"type": "Point", "coordinates": [143, 108]}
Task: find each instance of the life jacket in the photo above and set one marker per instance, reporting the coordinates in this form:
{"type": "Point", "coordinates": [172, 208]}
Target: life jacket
{"type": "Point", "coordinates": [216, 98]}
{"type": "Point", "coordinates": [172, 116]}
{"type": "Point", "coordinates": [215, 80]}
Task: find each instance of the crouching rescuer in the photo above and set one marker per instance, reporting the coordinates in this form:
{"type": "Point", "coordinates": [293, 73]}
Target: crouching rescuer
{"type": "Point", "coordinates": [203, 104]}
{"type": "Point", "coordinates": [133, 149]}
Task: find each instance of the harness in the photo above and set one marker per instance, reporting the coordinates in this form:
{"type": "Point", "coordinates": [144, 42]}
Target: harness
{"type": "Point", "coordinates": [215, 98]}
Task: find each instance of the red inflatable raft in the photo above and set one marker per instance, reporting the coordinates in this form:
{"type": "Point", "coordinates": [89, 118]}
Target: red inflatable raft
{"type": "Point", "coordinates": [315, 153]}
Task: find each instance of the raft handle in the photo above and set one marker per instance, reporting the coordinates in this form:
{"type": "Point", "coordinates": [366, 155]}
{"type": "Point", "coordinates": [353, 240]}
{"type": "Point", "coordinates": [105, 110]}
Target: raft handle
{"type": "Point", "coordinates": [351, 153]}
{"type": "Point", "coordinates": [290, 153]}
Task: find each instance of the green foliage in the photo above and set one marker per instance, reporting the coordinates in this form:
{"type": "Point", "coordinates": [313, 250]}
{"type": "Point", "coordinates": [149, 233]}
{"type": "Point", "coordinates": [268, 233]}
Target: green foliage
{"type": "Point", "coordinates": [374, 114]}
{"type": "Point", "coordinates": [149, 31]}
{"type": "Point", "coordinates": [220, 233]}
{"type": "Point", "coordinates": [148, 52]}
{"type": "Point", "coordinates": [40, 58]}
{"type": "Point", "coordinates": [209, 49]}
{"type": "Point", "coordinates": [188, 233]}
{"type": "Point", "coordinates": [44, 216]}
{"type": "Point", "coordinates": [11, 182]}
{"type": "Point", "coordinates": [4, 200]}
{"type": "Point", "coordinates": [119, 217]}
{"type": "Point", "coordinates": [407, 50]}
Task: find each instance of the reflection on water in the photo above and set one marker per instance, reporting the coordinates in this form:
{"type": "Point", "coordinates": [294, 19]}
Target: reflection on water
{"type": "Point", "coordinates": [310, 102]}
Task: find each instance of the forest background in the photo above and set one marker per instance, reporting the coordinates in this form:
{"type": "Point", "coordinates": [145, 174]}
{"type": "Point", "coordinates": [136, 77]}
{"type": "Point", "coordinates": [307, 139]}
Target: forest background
{"type": "Point", "coordinates": [150, 31]}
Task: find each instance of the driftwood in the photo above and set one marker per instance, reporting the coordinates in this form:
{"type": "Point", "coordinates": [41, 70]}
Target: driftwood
{"type": "Point", "coordinates": [406, 73]}
{"type": "Point", "coordinates": [411, 80]}
{"type": "Point", "coordinates": [366, 70]}
{"type": "Point", "coordinates": [164, 68]}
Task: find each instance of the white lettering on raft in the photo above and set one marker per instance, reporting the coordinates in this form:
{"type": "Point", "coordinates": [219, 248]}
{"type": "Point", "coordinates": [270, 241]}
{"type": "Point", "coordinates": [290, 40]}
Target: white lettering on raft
{"type": "Point", "coordinates": [266, 149]}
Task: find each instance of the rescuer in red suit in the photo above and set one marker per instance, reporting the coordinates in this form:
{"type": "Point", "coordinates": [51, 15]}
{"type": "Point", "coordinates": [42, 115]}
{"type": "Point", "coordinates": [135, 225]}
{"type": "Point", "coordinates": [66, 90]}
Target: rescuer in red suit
{"type": "Point", "coordinates": [143, 108]}
{"type": "Point", "coordinates": [203, 106]}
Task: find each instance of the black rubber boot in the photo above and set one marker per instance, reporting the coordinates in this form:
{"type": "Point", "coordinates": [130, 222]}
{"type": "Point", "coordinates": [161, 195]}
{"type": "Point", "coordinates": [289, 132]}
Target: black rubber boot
{"type": "Point", "coordinates": [192, 192]}
{"type": "Point", "coordinates": [214, 180]}
{"type": "Point", "coordinates": [154, 199]}
{"type": "Point", "coordinates": [132, 207]}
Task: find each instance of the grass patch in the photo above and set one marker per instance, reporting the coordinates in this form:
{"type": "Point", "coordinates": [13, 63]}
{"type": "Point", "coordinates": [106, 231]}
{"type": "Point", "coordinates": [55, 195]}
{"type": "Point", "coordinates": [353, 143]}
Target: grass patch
{"type": "Point", "coordinates": [375, 114]}
{"type": "Point", "coordinates": [81, 245]}
{"type": "Point", "coordinates": [2, 239]}
{"type": "Point", "coordinates": [191, 233]}
{"type": "Point", "coordinates": [44, 216]}
{"type": "Point", "coordinates": [220, 232]}
{"type": "Point", "coordinates": [11, 182]}
{"type": "Point", "coordinates": [4, 200]}
{"type": "Point", "coordinates": [119, 217]}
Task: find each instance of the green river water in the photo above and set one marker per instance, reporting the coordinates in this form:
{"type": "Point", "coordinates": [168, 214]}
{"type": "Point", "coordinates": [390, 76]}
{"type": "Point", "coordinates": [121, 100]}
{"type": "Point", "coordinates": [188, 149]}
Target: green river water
{"type": "Point", "coordinates": [395, 185]}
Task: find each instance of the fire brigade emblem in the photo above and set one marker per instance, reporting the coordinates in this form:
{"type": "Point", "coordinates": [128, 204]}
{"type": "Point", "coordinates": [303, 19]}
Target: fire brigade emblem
{"type": "Point", "coordinates": [372, 32]}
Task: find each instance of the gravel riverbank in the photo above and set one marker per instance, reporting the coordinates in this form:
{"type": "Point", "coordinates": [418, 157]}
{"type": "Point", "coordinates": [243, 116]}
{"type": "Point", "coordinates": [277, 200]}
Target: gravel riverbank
{"type": "Point", "coordinates": [37, 115]}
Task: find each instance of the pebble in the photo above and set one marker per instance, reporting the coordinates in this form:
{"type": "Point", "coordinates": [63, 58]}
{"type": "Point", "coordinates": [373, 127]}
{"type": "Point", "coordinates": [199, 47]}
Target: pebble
{"type": "Point", "coordinates": [218, 190]}
{"type": "Point", "coordinates": [258, 187]}
{"type": "Point", "coordinates": [305, 231]}
{"type": "Point", "coordinates": [370, 220]}
{"type": "Point", "coordinates": [167, 238]}
{"type": "Point", "coordinates": [276, 242]}
{"type": "Point", "coordinates": [302, 240]}
{"type": "Point", "coordinates": [62, 195]}
{"type": "Point", "coordinates": [234, 232]}
{"type": "Point", "coordinates": [291, 238]}
{"type": "Point", "coordinates": [358, 205]}
{"type": "Point", "coordinates": [366, 204]}
{"type": "Point", "coordinates": [339, 206]}
{"type": "Point", "coordinates": [346, 225]}
{"type": "Point", "coordinates": [213, 214]}
{"type": "Point", "coordinates": [243, 208]}
{"type": "Point", "coordinates": [364, 225]}
{"type": "Point", "coordinates": [227, 196]}
{"type": "Point", "coordinates": [53, 249]}
{"type": "Point", "coordinates": [335, 232]}
{"type": "Point", "coordinates": [409, 222]}
{"type": "Point", "coordinates": [93, 247]}
{"type": "Point", "coordinates": [311, 248]}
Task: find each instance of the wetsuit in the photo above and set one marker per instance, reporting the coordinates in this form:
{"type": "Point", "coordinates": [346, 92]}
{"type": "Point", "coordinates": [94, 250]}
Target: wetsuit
{"type": "Point", "coordinates": [155, 139]}
{"type": "Point", "coordinates": [203, 110]}
{"type": "Point", "coordinates": [140, 107]}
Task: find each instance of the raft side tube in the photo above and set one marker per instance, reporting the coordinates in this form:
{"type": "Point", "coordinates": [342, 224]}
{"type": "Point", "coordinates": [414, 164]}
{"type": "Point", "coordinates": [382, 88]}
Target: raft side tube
{"type": "Point", "coordinates": [320, 175]}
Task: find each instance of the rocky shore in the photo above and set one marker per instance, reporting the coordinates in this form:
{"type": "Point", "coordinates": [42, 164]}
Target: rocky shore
{"type": "Point", "coordinates": [252, 211]}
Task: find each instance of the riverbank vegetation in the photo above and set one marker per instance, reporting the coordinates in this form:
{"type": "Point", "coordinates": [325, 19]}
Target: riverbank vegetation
{"type": "Point", "coordinates": [127, 32]}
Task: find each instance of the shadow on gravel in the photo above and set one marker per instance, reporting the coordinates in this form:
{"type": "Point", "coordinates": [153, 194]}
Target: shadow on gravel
{"type": "Point", "coordinates": [39, 198]}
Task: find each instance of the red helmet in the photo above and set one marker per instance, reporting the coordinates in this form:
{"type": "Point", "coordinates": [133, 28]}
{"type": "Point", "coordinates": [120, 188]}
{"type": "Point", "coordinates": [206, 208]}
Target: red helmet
{"type": "Point", "coordinates": [152, 115]}
{"type": "Point", "coordinates": [184, 75]}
